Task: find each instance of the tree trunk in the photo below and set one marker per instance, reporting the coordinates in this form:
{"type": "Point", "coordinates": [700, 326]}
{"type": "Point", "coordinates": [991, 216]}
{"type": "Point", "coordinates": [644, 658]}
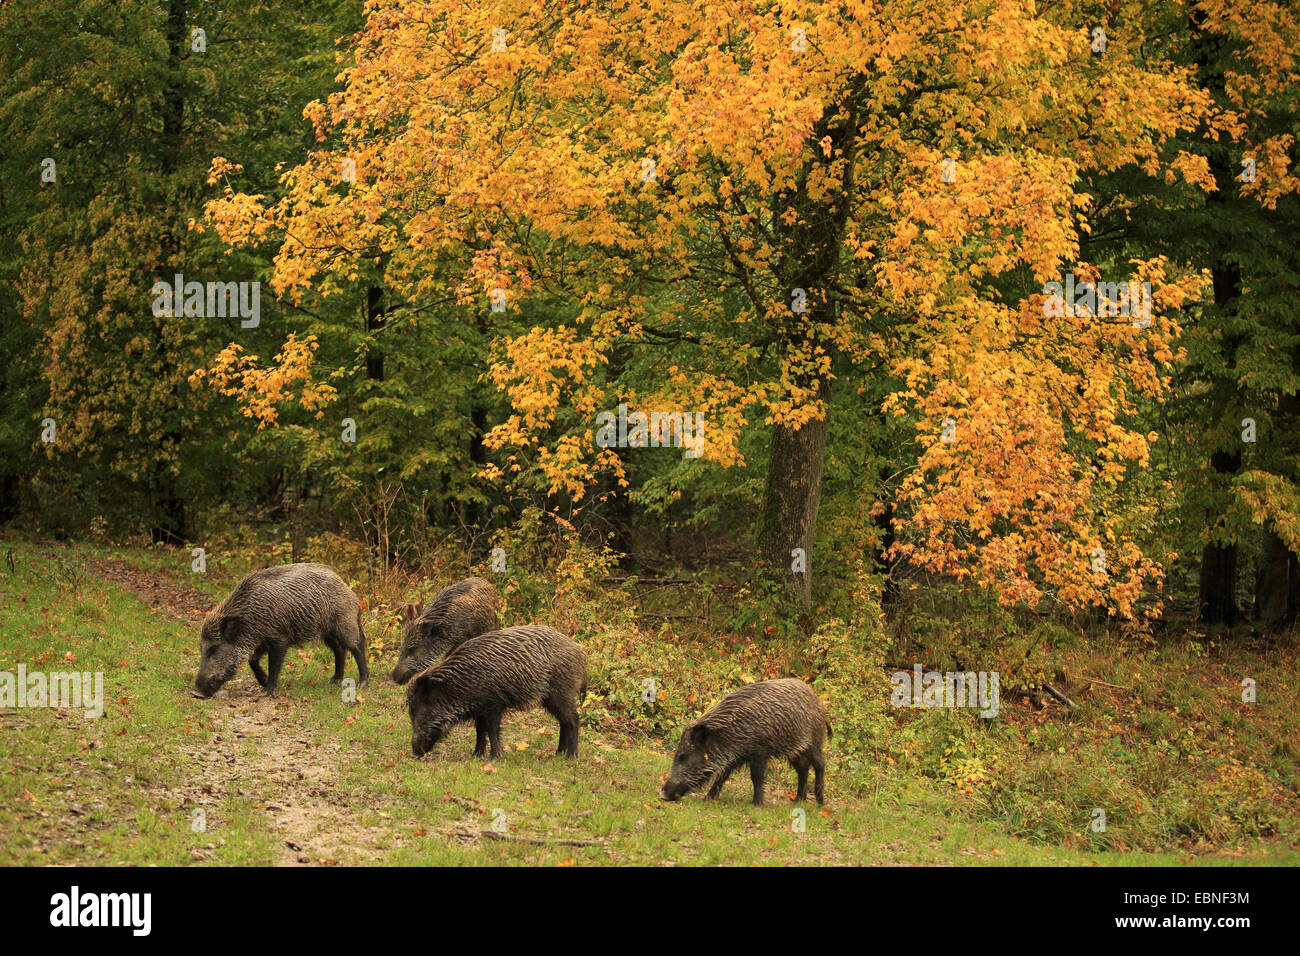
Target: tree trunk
{"type": "Point", "coordinates": [170, 524]}
{"type": "Point", "coordinates": [1277, 593]}
{"type": "Point", "coordinates": [375, 322]}
{"type": "Point", "coordinates": [476, 515]}
{"type": "Point", "coordinates": [811, 244]}
{"type": "Point", "coordinates": [791, 499]}
{"type": "Point", "coordinates": [1218, 579]}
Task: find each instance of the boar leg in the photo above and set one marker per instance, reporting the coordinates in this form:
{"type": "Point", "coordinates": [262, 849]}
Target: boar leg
{"type": "Point", "coordinates": [342, 640]}
{"type": "Point", "coordinates": [274, 661]}
{"type": "Point", "coordinates": [363, 672]}
{"type": "Point", "coordinates": [340, 655]}
{"type": "Point", "coordinates": [480, 737]}
{"type": "Point", "coordinates": [571, 724]}
{"type": "Point", "coordinates": [801, 764]}
{"type": "Point", "coordinates": [757, 771]}
{"type": "Point", "coordinates": [494, 732]}
{"type": "Point", "coordinates": [256, 668]}
{"type": "Point", "coordinates": [819, 766]}
{"type": "Point", "coordinates": [566, 712]}
{"type": "Point", "coordinates": [719, 781]}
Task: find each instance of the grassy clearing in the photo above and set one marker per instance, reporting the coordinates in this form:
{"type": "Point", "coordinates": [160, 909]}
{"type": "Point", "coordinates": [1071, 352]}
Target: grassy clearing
{"type": "Point", "coordinates": [310, 778]}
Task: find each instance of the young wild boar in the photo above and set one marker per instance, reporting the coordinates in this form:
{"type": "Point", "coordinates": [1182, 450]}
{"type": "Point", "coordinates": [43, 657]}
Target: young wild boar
{"type": "Point", "coordinates": [458, 612]}
{"type": "Point", "coordinates": [485, 676]}
{"type": "Point", "coordinates": [773, 718]}
{"type": "Point", "coordinates": [271, 610]}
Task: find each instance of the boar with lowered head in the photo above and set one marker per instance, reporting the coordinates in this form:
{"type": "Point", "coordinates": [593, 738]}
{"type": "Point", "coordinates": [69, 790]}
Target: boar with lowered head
{"type": "Point", "coordinates": [270, 611]}
{"type": "Point", "coordinates": [774, 718]}
{"type": "Point", "coordinates": [485, 676]}
{"type": "Point", "coordinates": [458, 612]}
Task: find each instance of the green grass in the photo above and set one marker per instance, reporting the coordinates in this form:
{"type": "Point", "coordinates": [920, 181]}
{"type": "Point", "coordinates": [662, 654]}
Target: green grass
{"type": "Point", "coordinates": [309, 777]}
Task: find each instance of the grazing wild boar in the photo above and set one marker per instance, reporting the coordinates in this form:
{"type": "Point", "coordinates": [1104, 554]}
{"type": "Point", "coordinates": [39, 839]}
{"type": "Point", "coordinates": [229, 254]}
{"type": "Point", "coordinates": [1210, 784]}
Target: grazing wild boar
{"type": "Point", "coordinates": [458, 612]}
{"type": "Point", "coordinates": [773, 718]}
{"type": "Point", "coordinates": [271, 610]}
{"type": "Point", "coordinates": [485, 676]}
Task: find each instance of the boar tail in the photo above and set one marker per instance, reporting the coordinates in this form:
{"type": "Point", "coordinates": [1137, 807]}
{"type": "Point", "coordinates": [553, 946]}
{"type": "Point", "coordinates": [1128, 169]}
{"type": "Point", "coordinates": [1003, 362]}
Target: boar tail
{"type": "Point", "coordinates": [582, 691]}
{"type": "Point", "coordinates": [828, 728]}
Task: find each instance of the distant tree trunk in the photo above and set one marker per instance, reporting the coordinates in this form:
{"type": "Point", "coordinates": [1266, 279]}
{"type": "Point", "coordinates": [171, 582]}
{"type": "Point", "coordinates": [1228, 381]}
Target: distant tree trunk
{"type": "Point", "coordinates": [293, 517]}
{"type": "Point", "coordinates": [1218, 578]}
{"type": "Point", "coordinates": [884, 566]}
{"type": "Point", "coordinates": [476, 514]}
{"type": "Point", "coordinates": [170, 523]}
{"type": "Point", "coordinates": [9, 499]}
{"type": "Point", "coordinates": [375, 321]}
{"type": "Point", "coordinates": [1277, 594]}
{"type": "Point", "coordinates": [1217, 599]}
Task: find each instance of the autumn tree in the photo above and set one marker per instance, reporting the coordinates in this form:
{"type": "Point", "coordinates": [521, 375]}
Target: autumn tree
{"type": "Point", "coordinates": [781, 200]}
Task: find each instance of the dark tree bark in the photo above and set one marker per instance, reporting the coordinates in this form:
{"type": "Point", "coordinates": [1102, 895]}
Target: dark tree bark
{"type": "Point", "coordinates": [476, 516]}
{"type": "Point", "coordinates": [791, 499]}
{"type": "Point", "coordinates": [375, 321]}
{"type": "Point", "coordinates": [810, 260]}
{"type": "Point", "coordinates": [1277, 590]}
{"type": "Point", "coordinates": [1217, 600]}
{"type": "Point", "coordinates": [171, 521]}
{"type": "Point", "coordinates": [1277, 593]}
{"type": "Point", "coordinates": [1218, 579]}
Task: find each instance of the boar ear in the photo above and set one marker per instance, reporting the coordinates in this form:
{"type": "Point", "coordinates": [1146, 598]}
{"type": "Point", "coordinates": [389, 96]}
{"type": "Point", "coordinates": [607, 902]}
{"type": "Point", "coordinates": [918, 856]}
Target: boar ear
{"type": "Point", "coordinates": [410, 612]}
{"type": "Point", "coordinates": [699, 736]}
{"type": "Point", "coordinates": [423, 683]}
{"type": "Point", "coordinates": [230, 625]}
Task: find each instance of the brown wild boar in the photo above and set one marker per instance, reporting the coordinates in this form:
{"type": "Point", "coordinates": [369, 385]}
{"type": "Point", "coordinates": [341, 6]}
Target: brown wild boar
{"type": "Point", "coordinates": [485, 676]}
{"type": "Point", "coordinates": [774, 718]}
{"type": "Point", "coordinates": [271, 610]}
{"type": "Point", "coordinates": [458, 612]}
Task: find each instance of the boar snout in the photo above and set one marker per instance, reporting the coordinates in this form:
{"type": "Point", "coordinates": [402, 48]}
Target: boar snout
{"type": "Point", "coordinates": [402, 673]}
{"type": "Point", "coordinates": [205, 687]}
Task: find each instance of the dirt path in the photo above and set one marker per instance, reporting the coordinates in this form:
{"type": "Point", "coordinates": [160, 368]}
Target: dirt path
{"type": "Point", "coordinates": [156, 590]}
{"type": "Point", "coordinates": [263, 750]}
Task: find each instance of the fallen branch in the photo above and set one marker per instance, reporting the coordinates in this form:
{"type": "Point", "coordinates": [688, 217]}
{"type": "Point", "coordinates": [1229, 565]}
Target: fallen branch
{"type": "Point", "coordinates": [1093, 680]}
{"type": "Point", "coordinates": [1059, 696]}
{"type": "Point", "coordinates": [543, 841]}
{"type": "Point", "coordinates": [638, 579]}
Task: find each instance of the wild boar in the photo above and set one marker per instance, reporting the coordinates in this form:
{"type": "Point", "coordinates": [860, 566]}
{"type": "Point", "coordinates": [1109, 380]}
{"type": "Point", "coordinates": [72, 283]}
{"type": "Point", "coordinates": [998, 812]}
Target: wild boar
{"type": "Point", "coordinates": [482, 678]}
{"type": "Point", "coordinates": [774, 718]}
{"type": "Point", "coordinates": [458, 612]}
{"type": "Point", "coordinates": [271, 610]}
